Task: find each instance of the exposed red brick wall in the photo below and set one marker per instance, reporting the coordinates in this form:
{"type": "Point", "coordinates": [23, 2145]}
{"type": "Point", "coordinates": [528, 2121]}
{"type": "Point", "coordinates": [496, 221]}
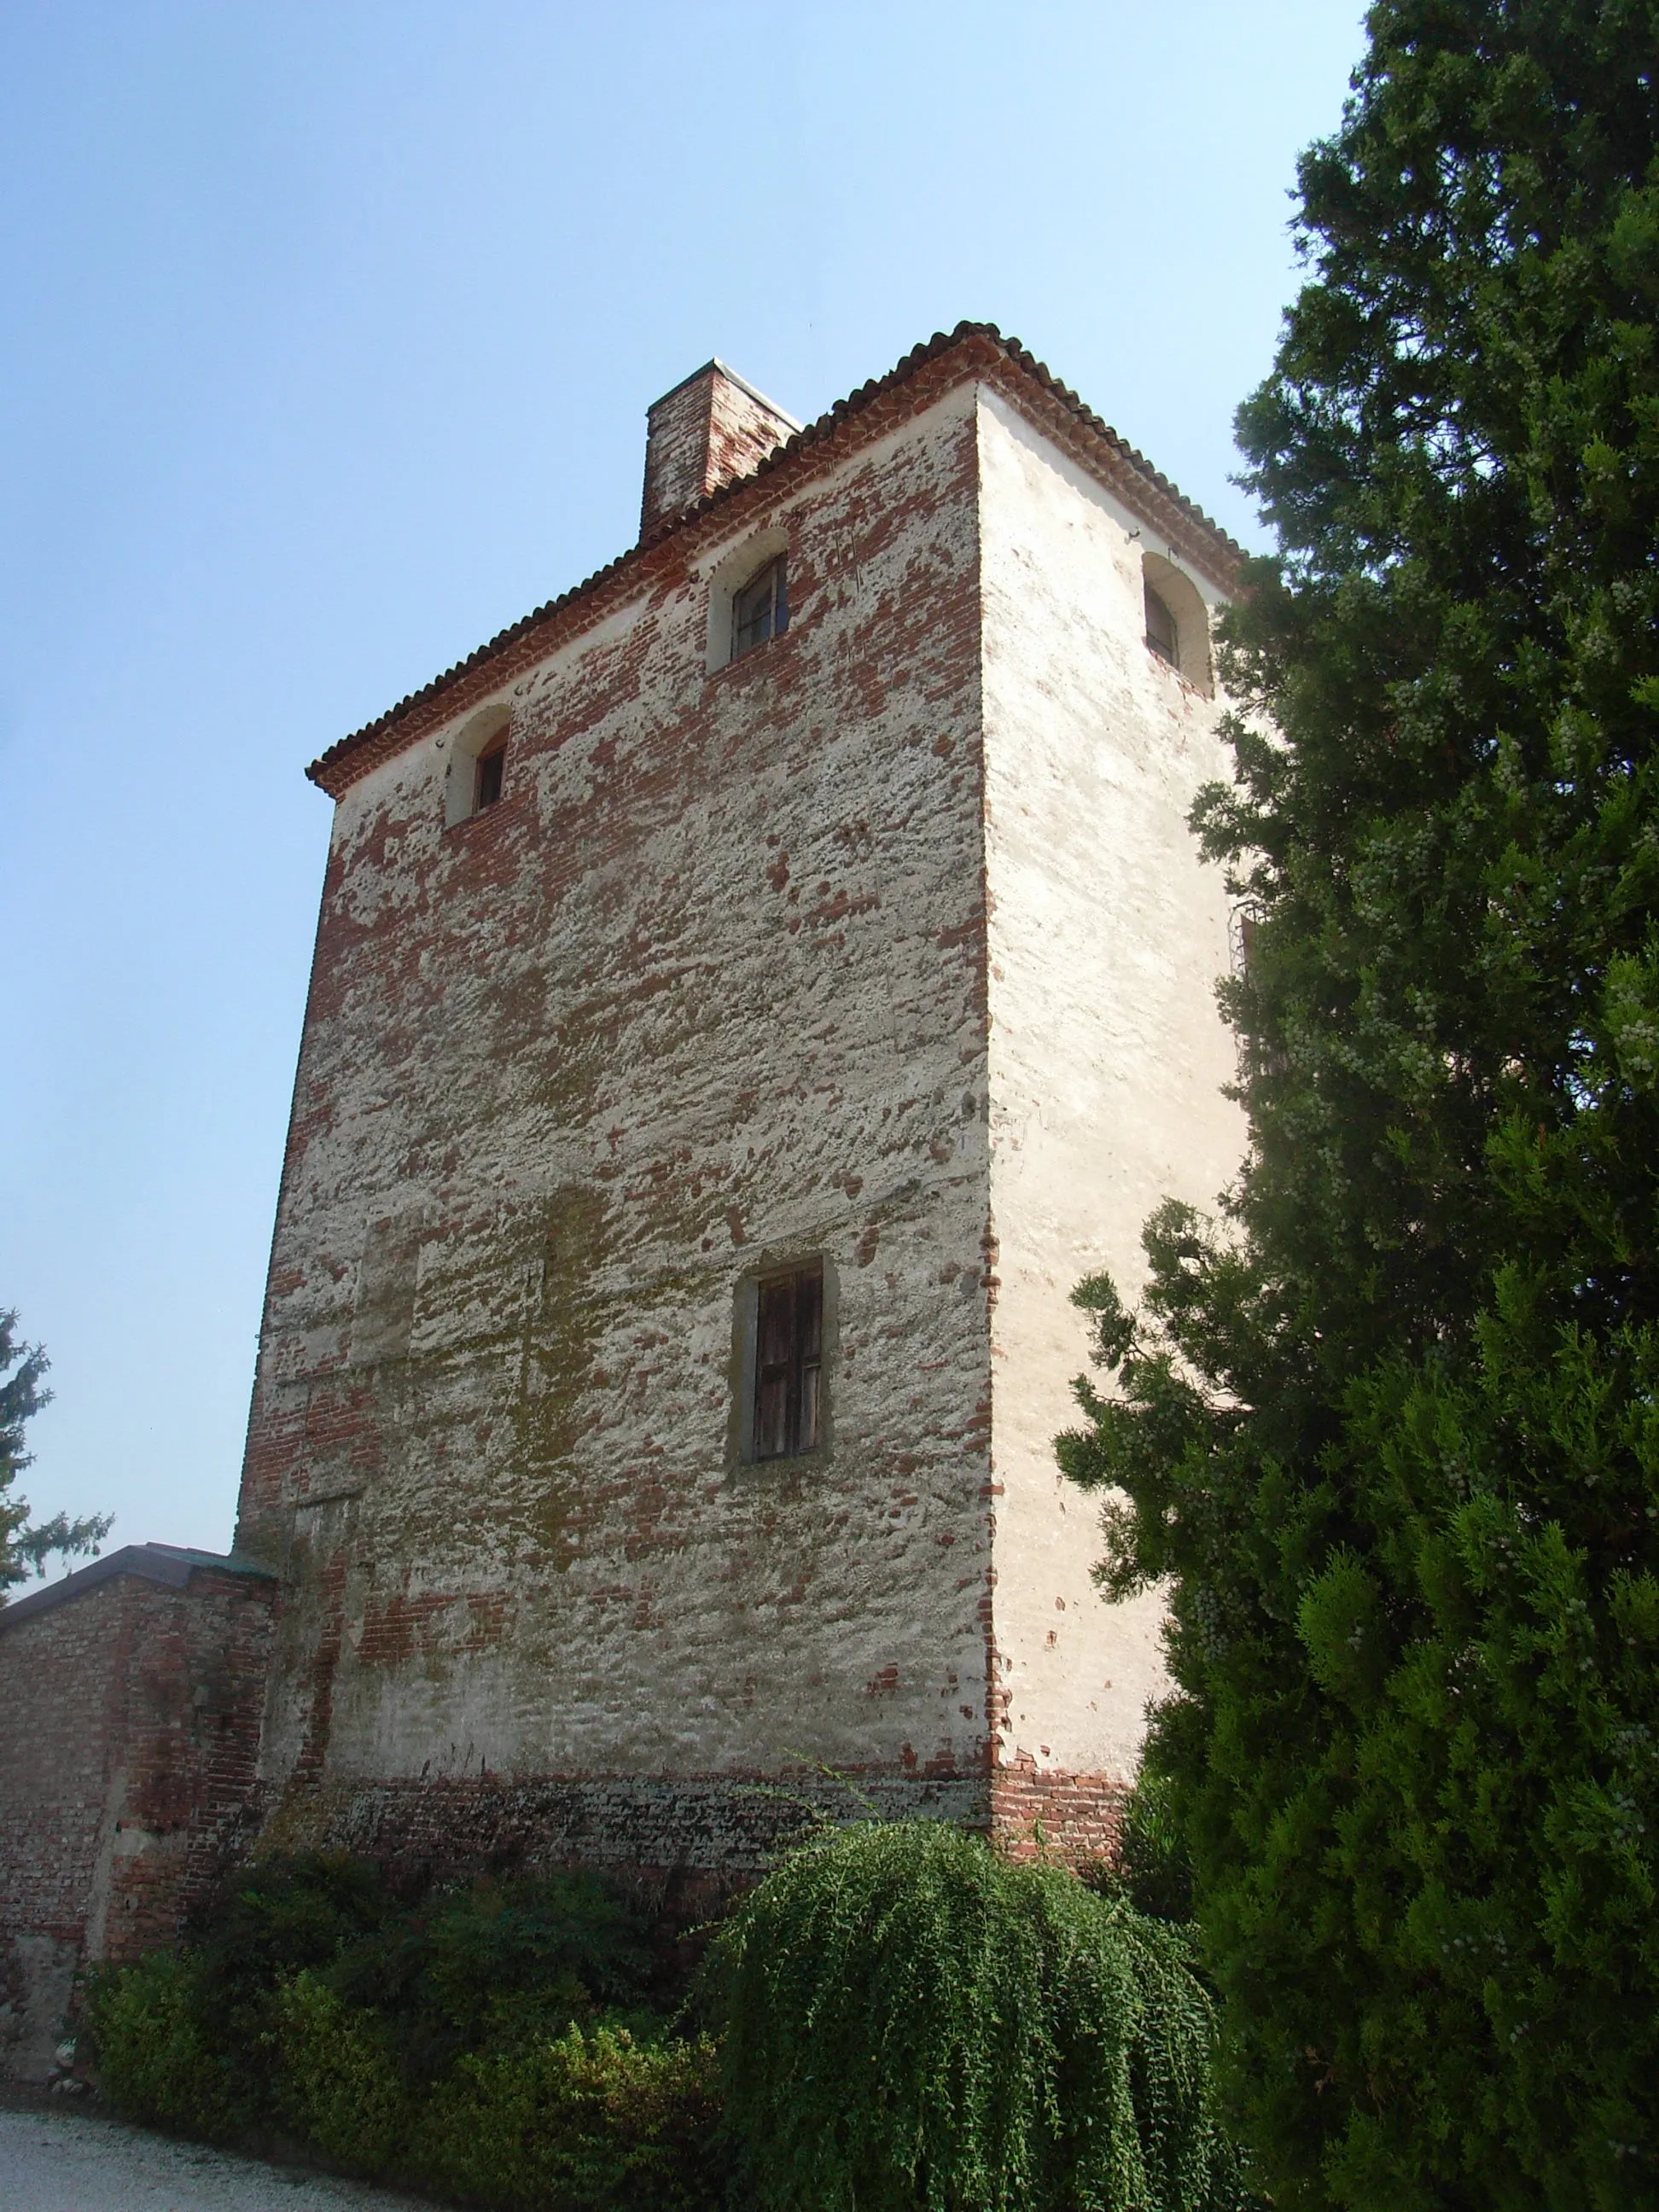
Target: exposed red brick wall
{"type": "Point", "coordinates": [129, 1734]}
{"type": "Point", "coordinates": [1035, 1812]}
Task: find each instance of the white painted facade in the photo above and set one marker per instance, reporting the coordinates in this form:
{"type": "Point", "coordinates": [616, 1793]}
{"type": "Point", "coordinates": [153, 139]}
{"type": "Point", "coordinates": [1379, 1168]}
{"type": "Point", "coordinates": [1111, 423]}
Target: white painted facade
{"type": "Point", "coordinates": [1107, 1055]}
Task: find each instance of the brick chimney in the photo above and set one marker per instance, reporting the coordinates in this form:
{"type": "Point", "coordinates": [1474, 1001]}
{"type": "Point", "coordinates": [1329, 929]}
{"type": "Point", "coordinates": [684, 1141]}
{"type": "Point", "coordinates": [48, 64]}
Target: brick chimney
{"type": "Point", "coordinates": [704, 433]}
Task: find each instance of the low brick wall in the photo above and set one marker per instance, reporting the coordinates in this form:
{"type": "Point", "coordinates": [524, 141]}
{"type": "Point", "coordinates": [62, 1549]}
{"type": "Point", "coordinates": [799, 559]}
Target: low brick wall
{"type": "Point", "coordinates": [131, 1695]}
{"type": "Point", "coordinates": [709, 1831]}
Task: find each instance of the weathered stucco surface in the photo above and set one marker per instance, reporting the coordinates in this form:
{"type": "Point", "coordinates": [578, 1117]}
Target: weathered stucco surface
{"type": "Point", "coordinates": [1107, 1054]}
{"type": "Point", "coordinates": [706, 993]}
{"type": "Point", "coordinates": [703, 992]}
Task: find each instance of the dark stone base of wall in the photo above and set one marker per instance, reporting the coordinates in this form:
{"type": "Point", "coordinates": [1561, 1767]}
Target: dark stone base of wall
{"type": "Point", "coordinates": [682, 1836]}
{"type": "Point", "coordinates": [699, 1830]}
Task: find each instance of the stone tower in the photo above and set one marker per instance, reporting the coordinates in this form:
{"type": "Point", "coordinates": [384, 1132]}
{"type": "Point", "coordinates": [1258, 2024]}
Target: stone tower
{"type": "Point", "coordinates": [750, 993]}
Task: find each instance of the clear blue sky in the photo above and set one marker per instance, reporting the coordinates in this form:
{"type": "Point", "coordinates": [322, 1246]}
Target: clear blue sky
{"type": "Point", "coordinates": [329, 332]}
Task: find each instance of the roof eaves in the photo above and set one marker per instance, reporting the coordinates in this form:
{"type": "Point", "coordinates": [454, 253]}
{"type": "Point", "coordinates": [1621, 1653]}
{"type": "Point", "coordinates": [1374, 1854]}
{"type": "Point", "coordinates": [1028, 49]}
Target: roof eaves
{"type": "Point", "coordinates": [1225, 553]}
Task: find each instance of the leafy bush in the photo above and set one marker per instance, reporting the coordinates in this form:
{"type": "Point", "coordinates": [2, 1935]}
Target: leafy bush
{"type": "Point", "coordinates": [912, 2021]}
{"type": "Point", "coordinates": [339, 2085]}
{"type": "Point", "coordinates": [499, 1964]}
{"type": "Point", "coordinates": [158, 2059]}
{"type": "Point", "coordinates": [496, 2041]}
{"type": "Point", "coordinates": [1153, 1868]}
{"type": "Point", "coordinates": [596, 2120]}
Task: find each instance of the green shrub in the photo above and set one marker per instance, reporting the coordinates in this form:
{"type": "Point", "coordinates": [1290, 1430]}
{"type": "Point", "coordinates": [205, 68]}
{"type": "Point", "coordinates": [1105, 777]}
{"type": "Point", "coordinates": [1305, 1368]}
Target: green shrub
{"type": "Point", "coordinates": [157, 2058]}
{"type": "Point", "coordinates": [593, 2121]}
{"type": "Point", "coordinates": [911, 2021]}
{"type": "Point", "coordinates": [497, 2040]}
{"type": "Point", "coordinates": [339, 2087]}
{"type": "Point", "coordinates": [498, 1964]}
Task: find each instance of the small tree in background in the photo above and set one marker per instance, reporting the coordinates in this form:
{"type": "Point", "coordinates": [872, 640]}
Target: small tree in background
{"type": "Point", "coordinates": [25, 1549]}
{"type": "Point", "coordinates": [1391, 1424]}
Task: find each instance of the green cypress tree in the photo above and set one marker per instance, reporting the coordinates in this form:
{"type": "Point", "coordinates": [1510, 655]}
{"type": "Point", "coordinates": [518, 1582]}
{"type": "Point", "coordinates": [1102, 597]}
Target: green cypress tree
{"type": "Point", "coordinates": [1390, 1421]}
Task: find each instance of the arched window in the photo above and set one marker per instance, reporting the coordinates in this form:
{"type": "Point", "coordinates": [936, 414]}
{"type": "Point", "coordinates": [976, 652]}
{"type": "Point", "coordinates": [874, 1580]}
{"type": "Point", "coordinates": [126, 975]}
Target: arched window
{"type": "Point", "coordinates": [1177, 620]}
{"type": "Point", "coordinates": [748, 597]}
{"type": "Point", "coordinates": [478, 764]}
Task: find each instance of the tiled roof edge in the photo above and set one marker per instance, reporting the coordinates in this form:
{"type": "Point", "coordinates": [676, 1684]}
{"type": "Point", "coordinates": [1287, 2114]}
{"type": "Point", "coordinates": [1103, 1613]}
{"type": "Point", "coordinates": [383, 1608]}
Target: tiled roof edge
{"type": "Point", "coordinates": [156, 1563]}
{"type": "Point", "coordinates": [325, 768]}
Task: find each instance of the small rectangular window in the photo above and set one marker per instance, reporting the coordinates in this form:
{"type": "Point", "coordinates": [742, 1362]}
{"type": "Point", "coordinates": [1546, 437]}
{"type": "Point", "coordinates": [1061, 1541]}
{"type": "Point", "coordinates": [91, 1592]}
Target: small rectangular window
{"type": "Point", "coordinates": [1161, 632]}
{"type": "Point", "coordinates": [788, 1362]}
{"type": "Point", "coordinates": [491, 767]}
{"type": "Point", "coordinates": [760, 609]}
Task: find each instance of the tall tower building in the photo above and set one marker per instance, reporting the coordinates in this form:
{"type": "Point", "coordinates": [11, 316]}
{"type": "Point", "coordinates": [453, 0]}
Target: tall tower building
{"type": "Point", "coordinates": [750, 993]}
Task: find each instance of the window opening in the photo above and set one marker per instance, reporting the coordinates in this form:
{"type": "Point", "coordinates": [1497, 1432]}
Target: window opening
{"type": "Point", "coordinates": [760, 609]}
{"type": "Point", "coordinates": [788, 1358]}
{"type": "Point", "coordinates": [492, 765]}
{"type": "Point", "coordinates": [1161, 633]}
{"type": "Point", "coordinates": [1242, 929]}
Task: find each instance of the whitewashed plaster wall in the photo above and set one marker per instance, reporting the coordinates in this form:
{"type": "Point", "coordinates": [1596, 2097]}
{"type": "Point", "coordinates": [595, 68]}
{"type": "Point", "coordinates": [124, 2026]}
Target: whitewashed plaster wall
{"type": "Point", "coordinates": [705, 988]}
{"type": "Point", "coordinates": [1106, 1053]}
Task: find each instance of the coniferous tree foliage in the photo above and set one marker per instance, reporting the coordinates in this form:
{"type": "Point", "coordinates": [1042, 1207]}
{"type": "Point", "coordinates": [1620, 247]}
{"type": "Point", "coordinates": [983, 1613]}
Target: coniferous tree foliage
{"type": "Point", "coordinates": [26, 1546]}
{"type": "Point", "coordinates": [1390, 1421]}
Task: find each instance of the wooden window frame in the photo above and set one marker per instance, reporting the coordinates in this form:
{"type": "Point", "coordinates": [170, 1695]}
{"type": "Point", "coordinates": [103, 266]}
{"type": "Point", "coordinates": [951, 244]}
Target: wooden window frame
{"type": "Point", "coordinates": [490, 775]}
{"type": "Point", "coordinates": [766, 1429]}
{"type": "Point", "coordinates": [760, 607]}
{"type": "Point", "coordinates": [1169, 654]}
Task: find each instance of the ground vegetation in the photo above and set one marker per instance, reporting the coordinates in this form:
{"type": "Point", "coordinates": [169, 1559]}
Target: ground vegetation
{"type": "Point", "coordinates": [896, 2018]}
{"type": "Point", "coordinates": [509, 2043]}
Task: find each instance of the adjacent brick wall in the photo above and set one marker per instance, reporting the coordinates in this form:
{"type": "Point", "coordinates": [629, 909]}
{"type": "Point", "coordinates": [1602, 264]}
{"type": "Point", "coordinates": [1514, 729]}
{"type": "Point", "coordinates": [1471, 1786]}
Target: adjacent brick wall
{"type": "Point", "coordinates": [130, 1700]}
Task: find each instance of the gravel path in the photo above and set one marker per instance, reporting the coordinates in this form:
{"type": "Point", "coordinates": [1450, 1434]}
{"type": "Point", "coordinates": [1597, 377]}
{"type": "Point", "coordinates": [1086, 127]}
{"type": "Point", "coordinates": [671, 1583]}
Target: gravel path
{"type": "Point", "coordinates": [70, 2163]}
